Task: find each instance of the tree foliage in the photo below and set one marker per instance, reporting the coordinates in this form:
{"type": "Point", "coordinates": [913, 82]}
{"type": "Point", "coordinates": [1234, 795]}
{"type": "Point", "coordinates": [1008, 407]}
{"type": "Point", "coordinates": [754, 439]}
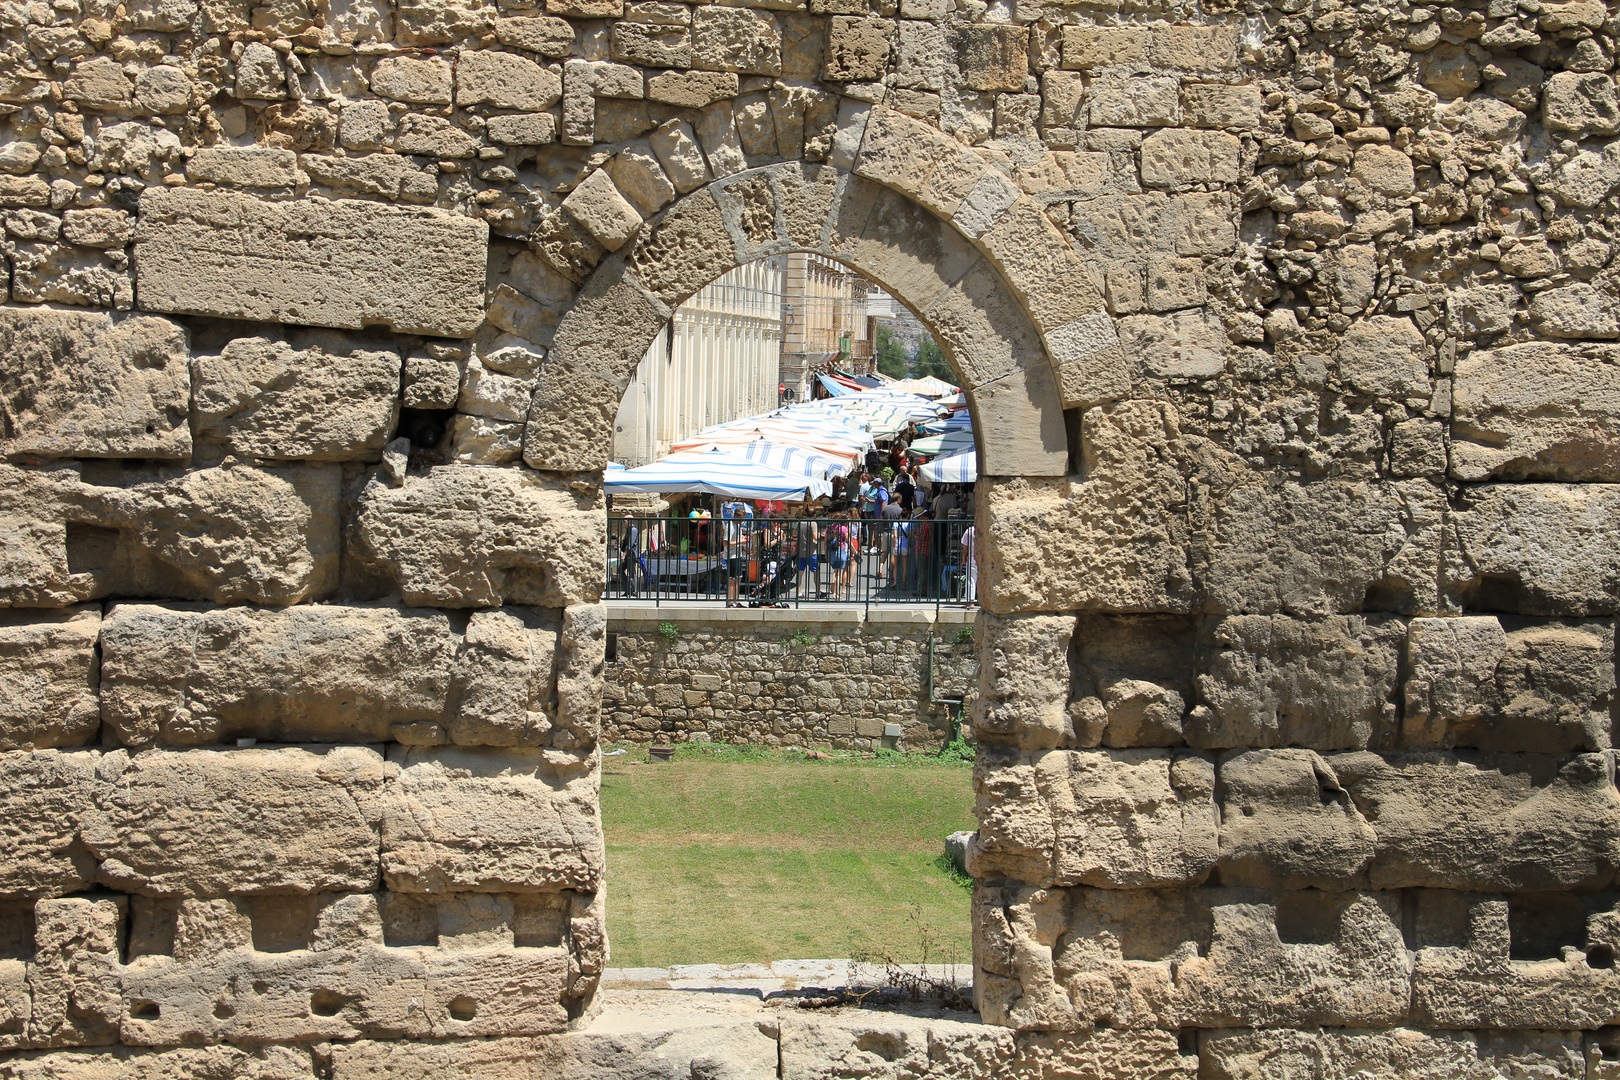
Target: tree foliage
{"type": "Point", "coordinates": [891, 354]}
{"type": "Point", "coordinates": [930, 360]}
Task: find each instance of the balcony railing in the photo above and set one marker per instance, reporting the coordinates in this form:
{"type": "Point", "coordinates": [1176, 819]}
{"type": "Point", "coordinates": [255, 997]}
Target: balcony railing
{"type": "Point", "coordinates": [787, 562]}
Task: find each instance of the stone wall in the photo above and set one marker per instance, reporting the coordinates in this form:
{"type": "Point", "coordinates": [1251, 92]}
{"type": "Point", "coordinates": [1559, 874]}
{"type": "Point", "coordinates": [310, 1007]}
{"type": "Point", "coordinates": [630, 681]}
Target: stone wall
{"type": "Point", "coordinates": [1288, 328]}
{"type": "Point", "coordinates": [779, 678]}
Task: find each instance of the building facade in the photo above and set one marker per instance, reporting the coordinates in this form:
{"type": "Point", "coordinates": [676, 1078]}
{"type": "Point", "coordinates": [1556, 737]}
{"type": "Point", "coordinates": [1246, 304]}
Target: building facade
{"type": "Point", "coordinates": [825, 320]}
{"type": "Point", "coordinates": [716, 361]}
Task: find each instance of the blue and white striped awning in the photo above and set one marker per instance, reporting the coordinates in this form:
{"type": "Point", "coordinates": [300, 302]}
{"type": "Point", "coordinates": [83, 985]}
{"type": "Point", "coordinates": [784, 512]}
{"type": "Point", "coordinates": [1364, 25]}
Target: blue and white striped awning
{"type": "Point", "coordinates": [959, 468]}
{"type": "Point", "coordinates": [793, 459]}
{"type": "Point", "coordinates": [716, 473]}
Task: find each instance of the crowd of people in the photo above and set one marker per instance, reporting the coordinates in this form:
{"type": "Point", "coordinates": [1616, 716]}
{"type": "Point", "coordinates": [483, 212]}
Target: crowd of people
{"type": "Point", "coordinates": [884, 522]}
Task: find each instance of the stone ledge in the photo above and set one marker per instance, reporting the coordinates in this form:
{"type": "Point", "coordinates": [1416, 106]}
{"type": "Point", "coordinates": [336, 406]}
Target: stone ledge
{"type": "Point", "coordinates": [622, 616]}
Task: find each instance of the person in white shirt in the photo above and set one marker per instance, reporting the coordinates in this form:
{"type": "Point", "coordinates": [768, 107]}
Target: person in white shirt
{"type": "Point", "coordinates": [970, 557]}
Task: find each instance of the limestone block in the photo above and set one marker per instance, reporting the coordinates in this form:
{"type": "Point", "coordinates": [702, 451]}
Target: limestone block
{"type": "Point", "coordinates": [1173, 157]}
{"type": "Point", "coordinates": [1493, 962]}
{"type": "Point", "coordinates": [102, 227]}
{"type": "Point", "coordinates": [1325, 548]}
{"type": "Point", "coordinates": [418, 81]}
{"type": "Point", "coordinates": [244, 821]}
{"type": "Point", "coordinates": [59, 274]}
{"type": "Point", "coordinates": [1136, 101]}
{"type": "Point", "coordinates": [1181, 345]}
{"type": "Point", "coordinates": [580, 657]}
{"type": "Point", "coordinates": [1287, 822]}
{"type": "Point", "coordinates": [434, 136]}
{"type": "Point", "coordinates": [1219, 105]}
{"type": "Point", "coordinates": [993, 56]}
{"type": "Point", "coordinates": [1297, 960]}
{"type": "Point", "coordinates": [1385, 357]}
{"type": "Point", "coordinates": [919, 160]}
{"type": "Point", "coordinates": [389, 175]}
{"type": "Point", "coordinates": [259, 75]}
{"type": "Point", "coordinates": [49, 674]}
{"type": "Point", "coordinates": [101, 84]}
{"type": "Point", "coordinates": [1580, 103]}
{"type": "Point", "coordinates": [1130, 819]}
{"type": "Point", "coordinates": [506, 81]}
{"type": "Point", "coordinates": [923, 56]}
{"type": "Point", "coordinates": [736, 39]}
{"type": "Point", "coordinates": [346, 263]}
{"type": "Point", "coordinates": [1576, 310]}
{"type": "Point", "coordinates": [532, 129]}
{"type": "Point", "coordinates": [464, 536]}
{"type": "Point", "coordinates": [360, 990]}
{"type": "Point", "coordinates": [477, 440]}
{"type": "Point", "coordinates": [1270, 680]}
{"type": "Point", "coordinates": [335, 399]}
{"type": "Point", "coordinates": [45, 796]}
{"type": "Point", "coordinates": [677, 148]}
{"type": "Point", "coordinates": [90, 384]}
{"type": "Point", "coordinates": [271, 533]}
{"type": "Point", "coordinates": [651, 45]}
{"type": "Point", "coordinates": [487, 820]}
{"type": "Point", "coordinates": [1403, 1052]}
{"type": "Point", "coordinates": [1023, 678]}
{"type": "Point", "coordinates": [1130, 683]}
{"type": "Point", "coordinates": [1487, 823]}
{"type": "Point", "coordinates": [1535, 549]}
{"type": "Point", "coordinates": [638, 175]}
{"type": "Point", "coordinates": [74, 976]}
{"type": "Point", "coordinates": [1058, 545]}
{"type": "Point", "coordinates": [1536, 411]}
{"type": "Point", "coordinates": [252, 166]}
{"type": "Point", "coordinates": [1015, 933]}
{"type": "Point", "coordinates": [543, 34]}
{"type": "Point", "coordinates": [185, 1063]}
{"type": "Point", "coordinates": [692, 89]}
{"type": "Point", "coordinates": [181, 676]}
{"type": "Point", "coordinates": [1506, 684]}
{"type": "Point", "coordinates": [857, 49]}
{"type": "Point", "coordinates": [432, 22]}
{"type": "Point", "coordinates": [430, 383]}
{"type": "Point", "coordinates": [489, 394]}
{"type": "Point", "coordinates": [1384, 169]}
{"type": "Point", "coordinates": [505, 681]}
{"type": "Point", "coordinates": [597, 205]}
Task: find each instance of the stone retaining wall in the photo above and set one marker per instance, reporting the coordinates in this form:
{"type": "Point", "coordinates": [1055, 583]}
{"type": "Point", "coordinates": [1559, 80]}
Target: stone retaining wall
{"type": "Point", "coordinates": [747, 680]}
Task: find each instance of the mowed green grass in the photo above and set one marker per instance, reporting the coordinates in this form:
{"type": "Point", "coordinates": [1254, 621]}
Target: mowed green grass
{"type": "Point", "coordinates": [775, 858]}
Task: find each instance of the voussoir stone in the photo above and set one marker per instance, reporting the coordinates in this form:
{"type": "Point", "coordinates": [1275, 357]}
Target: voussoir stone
{"type": "Point", "coordinates": [92, 384]}
{"type": "Point", "coordinates": [345, 264]}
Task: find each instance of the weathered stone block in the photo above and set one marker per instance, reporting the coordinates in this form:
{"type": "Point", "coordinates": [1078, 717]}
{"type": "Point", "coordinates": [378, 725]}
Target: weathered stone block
{"type": "Point", "coordinates": [736, 39]}
{"type": "Point", "coordinates": [59, 274]}
{"type": "Point", "coordinates": [74, 977]}
{"type": "Point", "coordinates": [1536, 411]}
{"type": "Point", "coordinates": [993, 56]}
{"type": "Point", "coordinates": [49, 673]}
{"type": "Point", "coordinates": [1270, 680]}
{"type": "Point", "coordinates": [44, 797]}
{"type": "Point", "coordinates": [1487, 823]}
{"type": "Point", "coordinates": [491, 821]}
{"type": "Point", "coordinates": [271, 535]}
{"type": "Point", "coordinates": [1535, 549]}
{"type": "Point", "coordinates": [1024, 678]}
{"type": "Point", "coordinates": [323, 397]}
{"type": "Point", "coordinates": [506, 81]}
{"type": "Point", "coordinates": [1509, 684]}
{"type": "Point", "coordinates": [183, 676]}
{"type": "Point", "coordinates": [1173, 157]}
{"type": "Point", "coordinates": [346, 264]}
{"type": "Point", "coordinates": [235, 822]}
{"type": "Point", "coordinates": [1288, 823]}
{"type": "Point", "coordinates": [505, 683]}
{"type": "Point", "coordinates": [1403, 1052]}
{"type": "Point", "coordinates": [857, 49]}
{"type": "Point", "coordinates": [466, 536]}
{"type": "Point", "coordinates": [1059, 544]}
{"type": "Point", "coordinates": [1325, 548]}
{"type": "Point", "coordinates": [1385, 357]}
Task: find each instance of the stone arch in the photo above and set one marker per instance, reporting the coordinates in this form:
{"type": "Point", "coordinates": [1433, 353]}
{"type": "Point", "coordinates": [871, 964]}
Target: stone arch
{"type": "Point", "coordinates": [941, 230]}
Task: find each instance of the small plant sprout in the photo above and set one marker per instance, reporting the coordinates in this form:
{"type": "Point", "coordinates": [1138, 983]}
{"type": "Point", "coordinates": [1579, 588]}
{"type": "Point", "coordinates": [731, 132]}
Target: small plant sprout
{"type": "Point", "coordinates": [669, 632]}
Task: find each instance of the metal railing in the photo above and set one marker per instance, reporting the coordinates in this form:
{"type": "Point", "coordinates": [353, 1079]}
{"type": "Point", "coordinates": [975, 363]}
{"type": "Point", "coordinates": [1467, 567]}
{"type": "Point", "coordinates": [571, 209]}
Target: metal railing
{"type": "Point", "coordinates": [787, 562]}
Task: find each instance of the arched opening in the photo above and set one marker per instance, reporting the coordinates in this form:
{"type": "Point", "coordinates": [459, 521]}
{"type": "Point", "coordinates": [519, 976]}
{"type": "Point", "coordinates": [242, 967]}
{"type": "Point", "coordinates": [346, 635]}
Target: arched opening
{"type": "Point", "coordinates": [783, 766]}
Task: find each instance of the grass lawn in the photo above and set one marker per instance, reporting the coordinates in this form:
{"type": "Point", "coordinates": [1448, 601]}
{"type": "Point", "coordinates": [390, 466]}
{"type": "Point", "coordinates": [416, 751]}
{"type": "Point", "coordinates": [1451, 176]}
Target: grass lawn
{"type": "Point", "coordinates": [733, 855]}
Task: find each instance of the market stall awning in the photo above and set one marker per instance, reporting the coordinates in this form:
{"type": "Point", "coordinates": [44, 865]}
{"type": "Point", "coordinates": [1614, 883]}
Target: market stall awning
{"type": "Point", "coordinates": [959, 468]}
{"type": "Point", "coordinates": [716, 472]}
{"type": "Point", "coordinates": [949, 443]}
